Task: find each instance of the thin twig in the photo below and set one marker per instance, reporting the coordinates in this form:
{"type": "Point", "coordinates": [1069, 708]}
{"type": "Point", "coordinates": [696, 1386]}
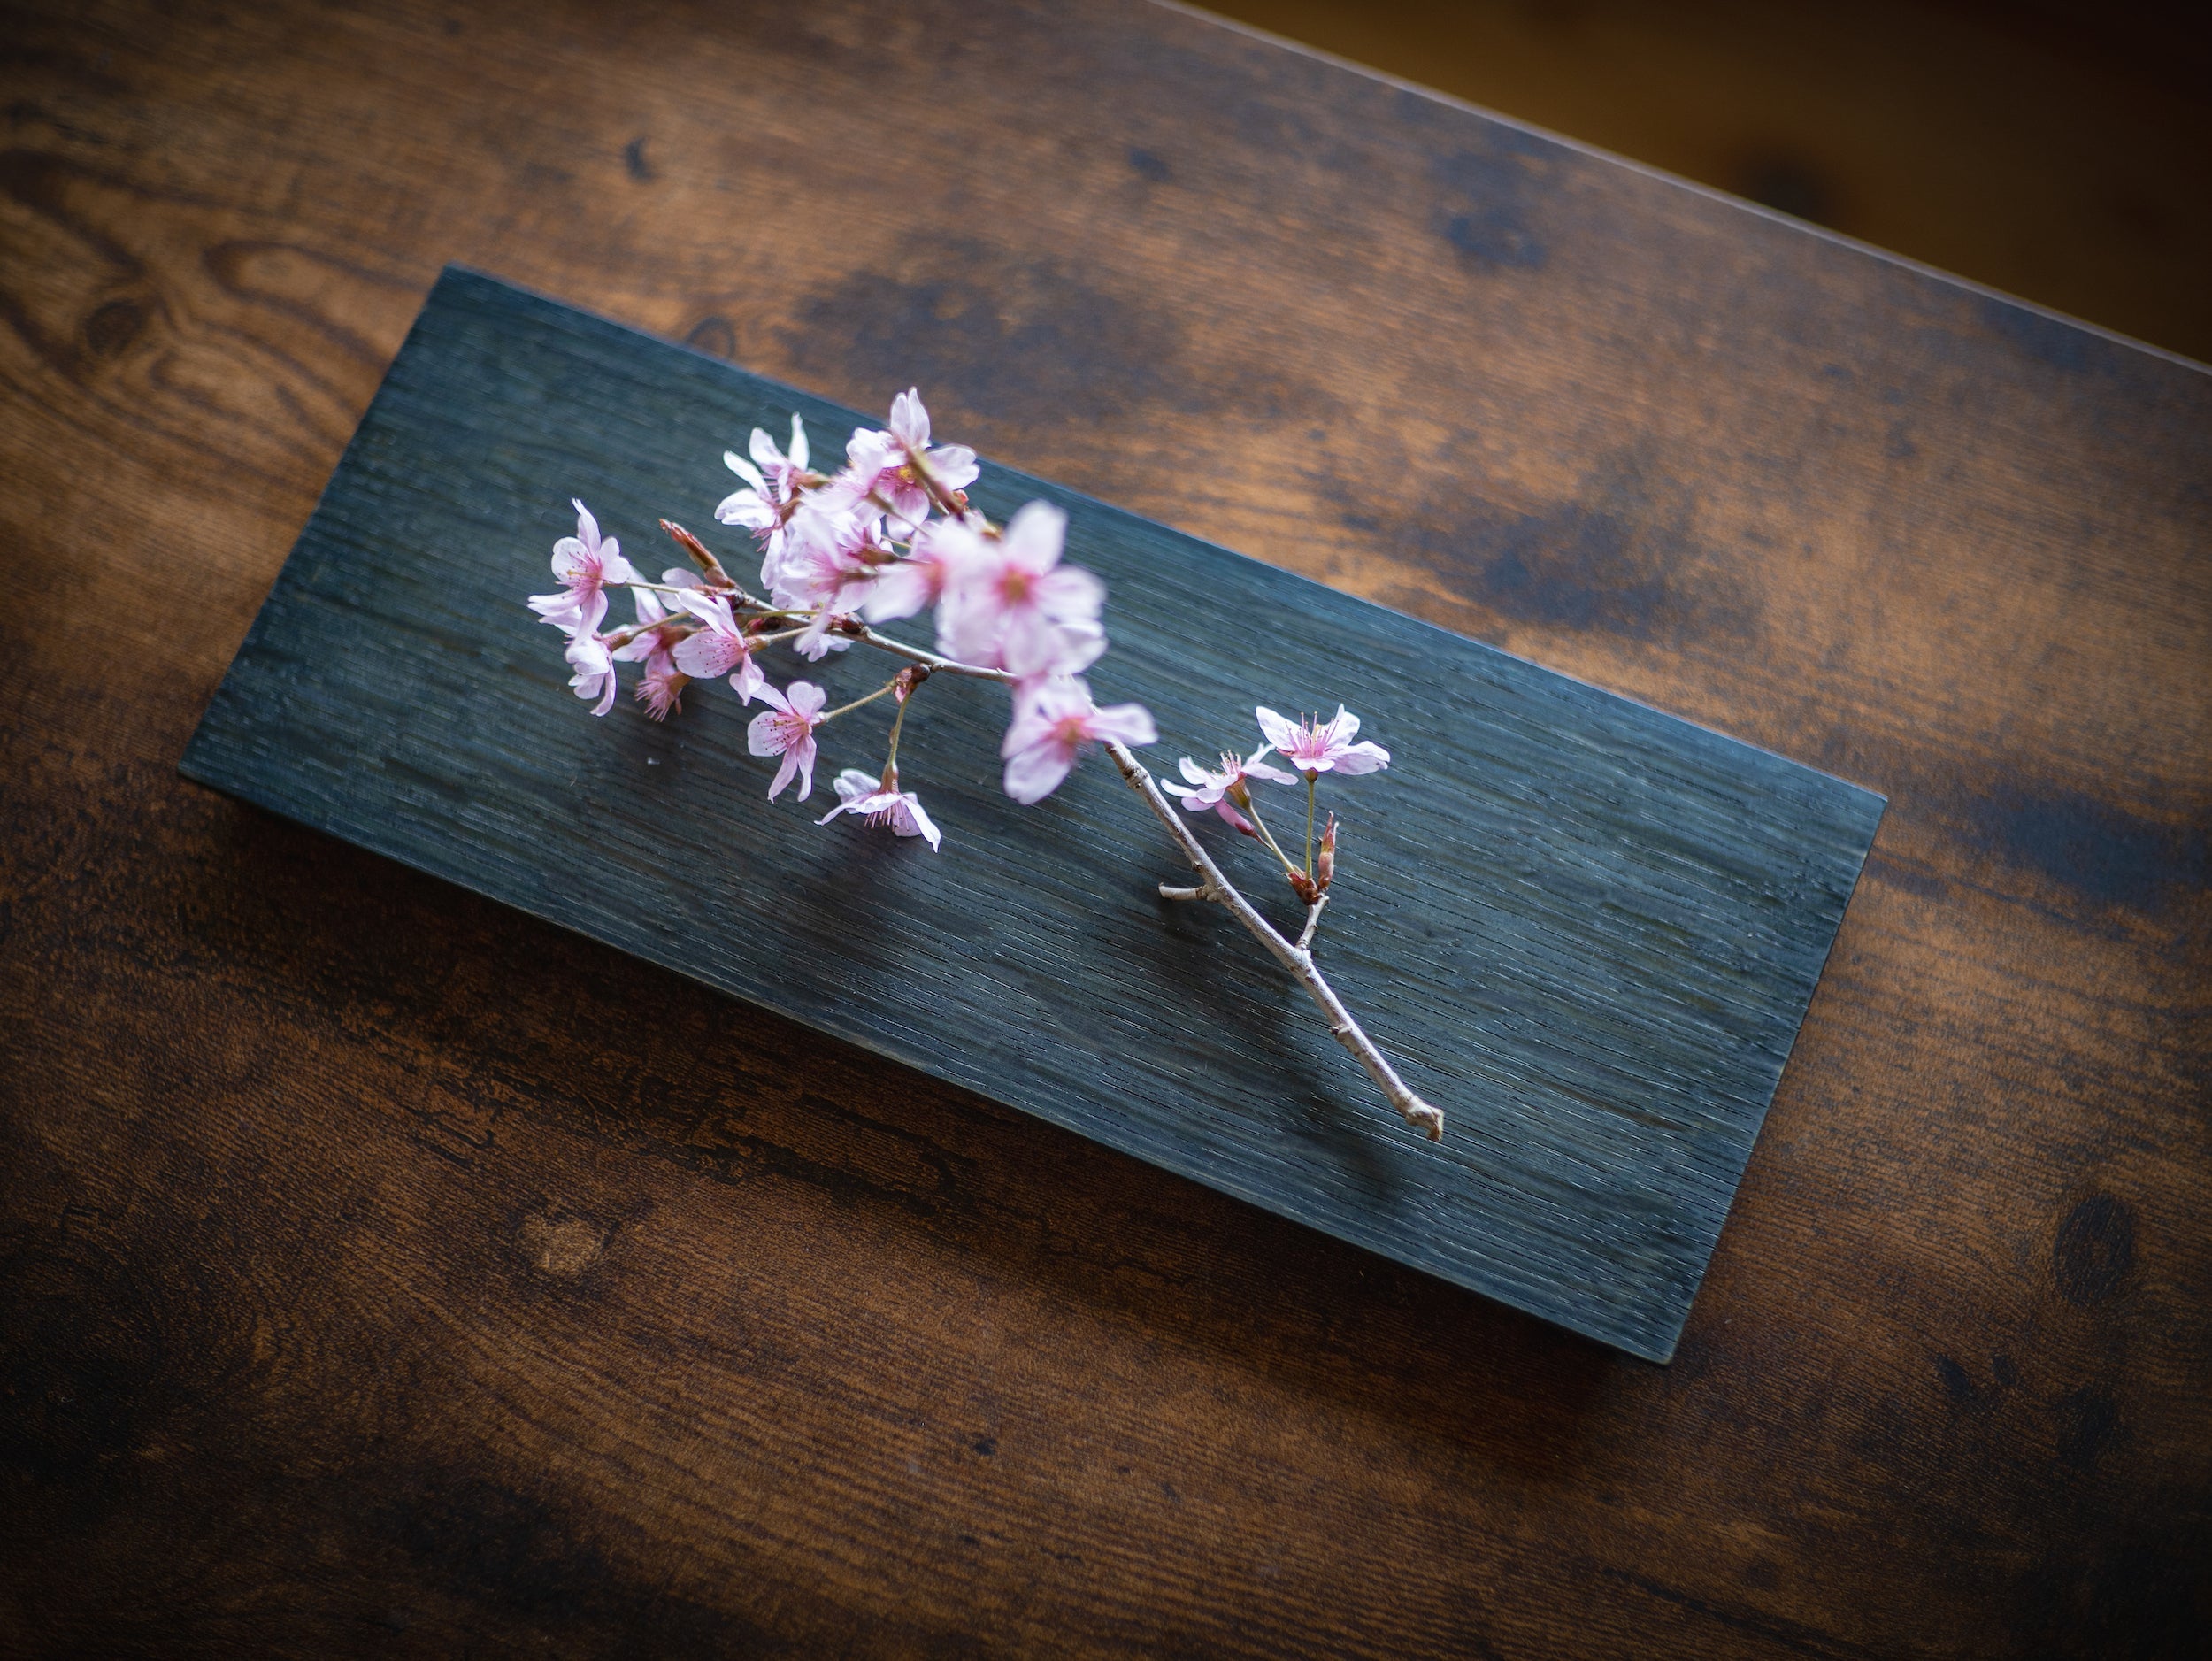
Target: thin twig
{"type": "Point", "coordinates": [1297, 959]}
{"type": "Point", "coordinates": [1310, 778]}
{"type": "Point", "coordinates": [1313, 921]}
{"type": "Point", "coordinates": [942, 665]}
{"type": "Point", "coordinates": [887, 688]}
{"type": "Point", "coordinates": [672, 587]}
{"type": "Point", "coordinates": [1252, 812]}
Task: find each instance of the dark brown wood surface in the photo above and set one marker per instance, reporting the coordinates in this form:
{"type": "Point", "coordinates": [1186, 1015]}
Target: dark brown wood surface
{"type": "Point", "coordinates": [383, 1272]}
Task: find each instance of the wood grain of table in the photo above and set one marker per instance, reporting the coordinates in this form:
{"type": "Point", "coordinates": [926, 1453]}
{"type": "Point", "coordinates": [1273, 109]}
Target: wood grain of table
{"type": "Point", "coordinates": [381, 1272]}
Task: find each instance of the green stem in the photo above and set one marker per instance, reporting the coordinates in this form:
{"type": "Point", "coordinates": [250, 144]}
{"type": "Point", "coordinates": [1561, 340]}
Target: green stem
{"type": "Point", "coordinates": [1252, 809]}
{"type": "Point", "coordinates": [891, 761]}
{"type": "Point", "coordinates": [857, 702]}
{"type": "Point", "coordinates": [1309, 782]}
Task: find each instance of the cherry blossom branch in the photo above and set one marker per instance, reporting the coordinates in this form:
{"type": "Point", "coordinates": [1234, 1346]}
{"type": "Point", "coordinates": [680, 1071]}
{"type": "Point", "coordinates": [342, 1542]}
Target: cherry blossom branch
{"type": "Point", "coordinates": [934, 662]}
{"type": "Point", "coordinates": [1297, 959]}
{"type": "Point", "coordinates": [843, 550]}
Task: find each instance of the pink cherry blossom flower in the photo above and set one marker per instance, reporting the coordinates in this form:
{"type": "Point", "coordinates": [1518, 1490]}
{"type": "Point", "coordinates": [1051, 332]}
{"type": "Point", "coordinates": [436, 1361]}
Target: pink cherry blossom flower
{"type": "Point", "coordinates": [866, 795]}
{"type": "Point", "coordinates": [774, 480]}
{"type": "Point", "coordinates": [660, 689]}
{"type": "Point", "coordinates": [572, 614]}
{"type": "Point", "coordinates": [1225, 791]}
{"type": "Point", "coordinates": [718, 649]}
{"type": "Point", "coordinates": [890, 465]}
{"type": "Point", "coordinates": [1052, 725]}
{"type": "Point", "coordinates": [918, 582]}
{"type": "Point", "coordinates": [1327, 747]}
{"type": "Point", "coordinates": [788, 730]}
{"type": "Point", "coordinates": [585, 564]}
{"type": "Point", "coordinates": [829, 566]}
{"type": "Point", "coordinates": [830, 562]}
{"type": "Point", "coordinates": [654, 646]}
{"type": "Point", "coordinates": [589, 656]}
{"type": "Point", "coordinates": [1011, 605]}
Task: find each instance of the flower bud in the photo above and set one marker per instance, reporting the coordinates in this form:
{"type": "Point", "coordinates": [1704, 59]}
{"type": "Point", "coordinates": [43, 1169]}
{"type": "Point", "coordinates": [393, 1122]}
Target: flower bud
{"type": "Point", "coordinates": [1325, 866]}
{"type": "Point", "coordinates": [701, 555]}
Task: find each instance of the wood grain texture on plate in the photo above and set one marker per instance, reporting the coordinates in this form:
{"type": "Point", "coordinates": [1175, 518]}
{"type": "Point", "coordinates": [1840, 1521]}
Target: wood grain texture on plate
{"type": "Point", "coordinates": [1586, 929]}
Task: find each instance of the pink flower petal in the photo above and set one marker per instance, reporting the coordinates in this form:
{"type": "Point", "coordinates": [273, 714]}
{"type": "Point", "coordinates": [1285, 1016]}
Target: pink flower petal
{"type": "Point", "coordinates": [1129, 723]}
{"type": "Point", "coordinates": [705, 656]}
{"type": "Point", "coordinates": [1362, 758]}
{"type": "Point", "coordinates": [761, 736]}
{"type": "Point", "coordinates": [1036, 772]}
{"type": "Point", "coordinates": [784, 774]}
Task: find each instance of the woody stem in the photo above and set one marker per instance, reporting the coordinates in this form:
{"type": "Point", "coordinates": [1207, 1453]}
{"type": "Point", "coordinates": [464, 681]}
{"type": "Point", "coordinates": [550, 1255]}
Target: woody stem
{"type": "Point", "coordinates": [944, 665]}
{"type": "Point", "coordinates": [1297, 959]}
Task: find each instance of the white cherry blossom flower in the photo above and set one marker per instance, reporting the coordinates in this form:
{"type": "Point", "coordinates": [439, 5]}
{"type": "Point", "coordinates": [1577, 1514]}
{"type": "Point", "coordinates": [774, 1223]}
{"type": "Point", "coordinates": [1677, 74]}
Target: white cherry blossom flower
{"type": "Point", "coordinates": [888, 465]}
{"type": "Point", "coordinates": [1327, 747]}
{"type": "Point", "coordinates": [864, 795]}
{"type": "Point", "coordinates": [585, 564]}
{"type": "Point", "coordinates": [1225, 791]}
{"type": "Point", "coordinates": [589, 656]}
{"type": "Point", "coordinates": [718, 649]}
{"type": "Point", "coordinates": [660, 687]}
{"type": "Point", "coordinates": [774, 480]}
{"type": "Point", "coordinates": [788, 730]}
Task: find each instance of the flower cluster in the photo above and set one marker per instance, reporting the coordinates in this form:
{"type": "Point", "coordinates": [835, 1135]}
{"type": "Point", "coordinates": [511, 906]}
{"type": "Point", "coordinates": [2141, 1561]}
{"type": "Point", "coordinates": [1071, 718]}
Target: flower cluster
{"type": "Point", "coordinates": [889, 536]}
{"type": "Point", "coordinates": [1309, 749]}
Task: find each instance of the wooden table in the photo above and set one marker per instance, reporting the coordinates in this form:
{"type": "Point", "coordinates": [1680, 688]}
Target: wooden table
{"type": "Point", "coordinates": [387, 1273]}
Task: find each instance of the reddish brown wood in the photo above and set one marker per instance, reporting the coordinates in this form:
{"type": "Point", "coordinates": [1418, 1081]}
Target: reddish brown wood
{"type": "Point", "coordinates": [383, 1273]}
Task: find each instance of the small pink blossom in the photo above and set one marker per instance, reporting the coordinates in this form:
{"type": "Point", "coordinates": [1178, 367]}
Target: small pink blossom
{"type": "Point", "coordinates": [589, 656]}
{"type": "Point", "coordinates": [773, 480]}
{"type": "Point", "coordinates": [829, 563]}
{"type": "Point", "coordinates": [918, 582]}
{"type": "Point", "coordinates": [660, 689]}
{"type": "Point", "coordinates": [572, 614]}
{"type": "Point", "coordinates": [1011, 605]}
{"type": "Point", "coordinates": [1225, 790]}
{"type": "Point", "coordinates": [654, 646]}
{"type": "Point", "coordinates": [868, 797]}
{"type": "Point", "coordinates": [788, 730]}
{"type": "Point", "coordinates": [1327, 747]}
{"type": "Point", "coordinates": [718, 649]}
{"type": "Point", "coordinates": [890, 465]}
{"type": "Point", "coordinates": [1052, 725]}
{"type": "Point", "coordinates": [585, 564]}
{"type": "Point", "coordinates": [829, 566]}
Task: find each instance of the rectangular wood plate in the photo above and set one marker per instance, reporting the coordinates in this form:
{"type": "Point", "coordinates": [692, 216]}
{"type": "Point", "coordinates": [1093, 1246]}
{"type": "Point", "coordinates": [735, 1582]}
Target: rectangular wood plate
{"type": "Point", "coordinates": [1587, 930]}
